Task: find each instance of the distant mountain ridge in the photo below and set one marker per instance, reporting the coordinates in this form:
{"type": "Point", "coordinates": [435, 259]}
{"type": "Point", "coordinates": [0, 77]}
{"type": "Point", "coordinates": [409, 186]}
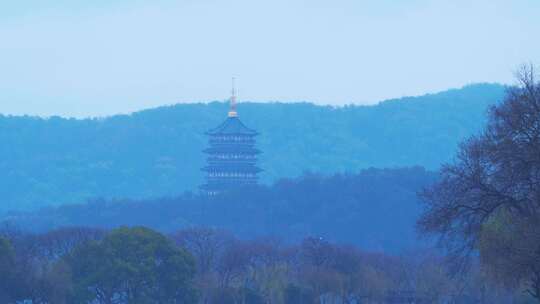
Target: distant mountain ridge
{"type": "Point", "coordinates": [157, 152]}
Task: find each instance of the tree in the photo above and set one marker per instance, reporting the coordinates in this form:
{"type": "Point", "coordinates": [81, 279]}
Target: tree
{"type": "Point", "coordinates": [57, 243]}
{"type": "Point", "coordinates": [233, 265]}
{"type": "Point", "coordinates": [511, 249]}
{"type": "Point", "coordinates": [7, 277]}
{"type": "Point", "coordinates": [206, 244]}
{"type": "Point", "coordinates": [495, 177]}
{"type": "Point", "coordinates": [41, 276]}
{"type": "Point", "coordinates": [298, 295]}
{"type": "Point", "coordinates": [134, 265]}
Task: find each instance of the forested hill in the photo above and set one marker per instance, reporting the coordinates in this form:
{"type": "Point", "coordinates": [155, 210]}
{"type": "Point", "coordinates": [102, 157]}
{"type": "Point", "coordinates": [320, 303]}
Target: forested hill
{"type": "Point", "coordinates": [374, 208]}
{"type": "Point", "coordinates": [157, 152]}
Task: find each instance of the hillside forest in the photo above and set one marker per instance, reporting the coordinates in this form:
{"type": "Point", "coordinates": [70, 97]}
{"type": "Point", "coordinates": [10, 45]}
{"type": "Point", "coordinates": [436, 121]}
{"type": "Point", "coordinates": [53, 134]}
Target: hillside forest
{"type": "Point", "coordinates": [157, 153]}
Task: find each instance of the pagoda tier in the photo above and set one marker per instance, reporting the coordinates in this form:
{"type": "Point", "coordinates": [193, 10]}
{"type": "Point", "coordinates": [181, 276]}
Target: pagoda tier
{"type": "Point", "coordinates": [232, 157]}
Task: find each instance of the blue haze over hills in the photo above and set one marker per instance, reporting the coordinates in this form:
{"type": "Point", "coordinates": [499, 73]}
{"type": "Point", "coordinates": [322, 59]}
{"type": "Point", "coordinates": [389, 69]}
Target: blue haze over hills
{"type": "Point", "coordinates": [157, 152]}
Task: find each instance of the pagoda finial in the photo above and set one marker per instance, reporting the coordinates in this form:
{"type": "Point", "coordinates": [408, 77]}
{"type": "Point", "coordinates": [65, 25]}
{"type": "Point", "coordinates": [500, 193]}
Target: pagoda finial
{"type": "Point", "coordinates": [232, 110]}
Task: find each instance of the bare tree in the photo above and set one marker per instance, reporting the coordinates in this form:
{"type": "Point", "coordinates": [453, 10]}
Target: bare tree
{"type": "Point", "coordinates": [496, 174]}
{"type": "Point", "coordinates": [206, 244]}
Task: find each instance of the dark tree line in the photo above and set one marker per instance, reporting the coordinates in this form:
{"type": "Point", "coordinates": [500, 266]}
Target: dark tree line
{"type": "Point", "coordinates": [381, 205]}
{"type": "Point", "coordinates": [209, 266]}
{"type": "Point", "coordinates": [488, 199]}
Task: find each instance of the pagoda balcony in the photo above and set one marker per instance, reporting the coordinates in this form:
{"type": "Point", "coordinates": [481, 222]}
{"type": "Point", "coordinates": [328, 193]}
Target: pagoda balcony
{"type": "Point", "coordinates": [246, 141]}
{"type": "Point", "coordinates": [231, 150]}
{"type": "Point", "coordinates": [227, 159]}
{"type": "Point", "coordinates": [230, 174]}
{"type": "Point", "coordinates": [233, 178]}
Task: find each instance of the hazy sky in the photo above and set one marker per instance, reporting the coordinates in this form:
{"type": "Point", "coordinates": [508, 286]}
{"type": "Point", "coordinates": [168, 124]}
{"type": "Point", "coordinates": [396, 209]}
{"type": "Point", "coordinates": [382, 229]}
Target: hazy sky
{"type": "Point", "coordinates": [100, 57]}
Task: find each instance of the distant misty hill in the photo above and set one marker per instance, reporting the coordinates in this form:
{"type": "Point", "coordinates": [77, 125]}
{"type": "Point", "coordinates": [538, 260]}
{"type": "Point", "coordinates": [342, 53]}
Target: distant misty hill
{"type": "Point", "coordinates": [157, 152]}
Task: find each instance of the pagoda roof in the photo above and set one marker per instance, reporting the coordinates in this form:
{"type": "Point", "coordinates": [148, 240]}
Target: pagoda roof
{"type": "Point", "coordinates": [232, 126]}
{"type": "Point", "coordinates": [232, 149]}
{"type": "Point", "coordinates": [223, 186]}
{"type": "Point", "coordinates": [232, 167]}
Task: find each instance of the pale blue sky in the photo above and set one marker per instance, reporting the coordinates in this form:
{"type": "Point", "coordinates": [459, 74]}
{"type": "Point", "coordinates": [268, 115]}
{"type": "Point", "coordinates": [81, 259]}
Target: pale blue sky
{"type": "Point", "coordinates": [101, 57]}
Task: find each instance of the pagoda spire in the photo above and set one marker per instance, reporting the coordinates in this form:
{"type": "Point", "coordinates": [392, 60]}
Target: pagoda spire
{"type": "Point", "coordinates": [232, 110]}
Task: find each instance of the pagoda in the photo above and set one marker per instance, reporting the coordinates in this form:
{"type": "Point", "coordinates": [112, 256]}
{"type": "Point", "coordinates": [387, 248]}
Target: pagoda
{"type": "Point", "coordinates": [232, 156]}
